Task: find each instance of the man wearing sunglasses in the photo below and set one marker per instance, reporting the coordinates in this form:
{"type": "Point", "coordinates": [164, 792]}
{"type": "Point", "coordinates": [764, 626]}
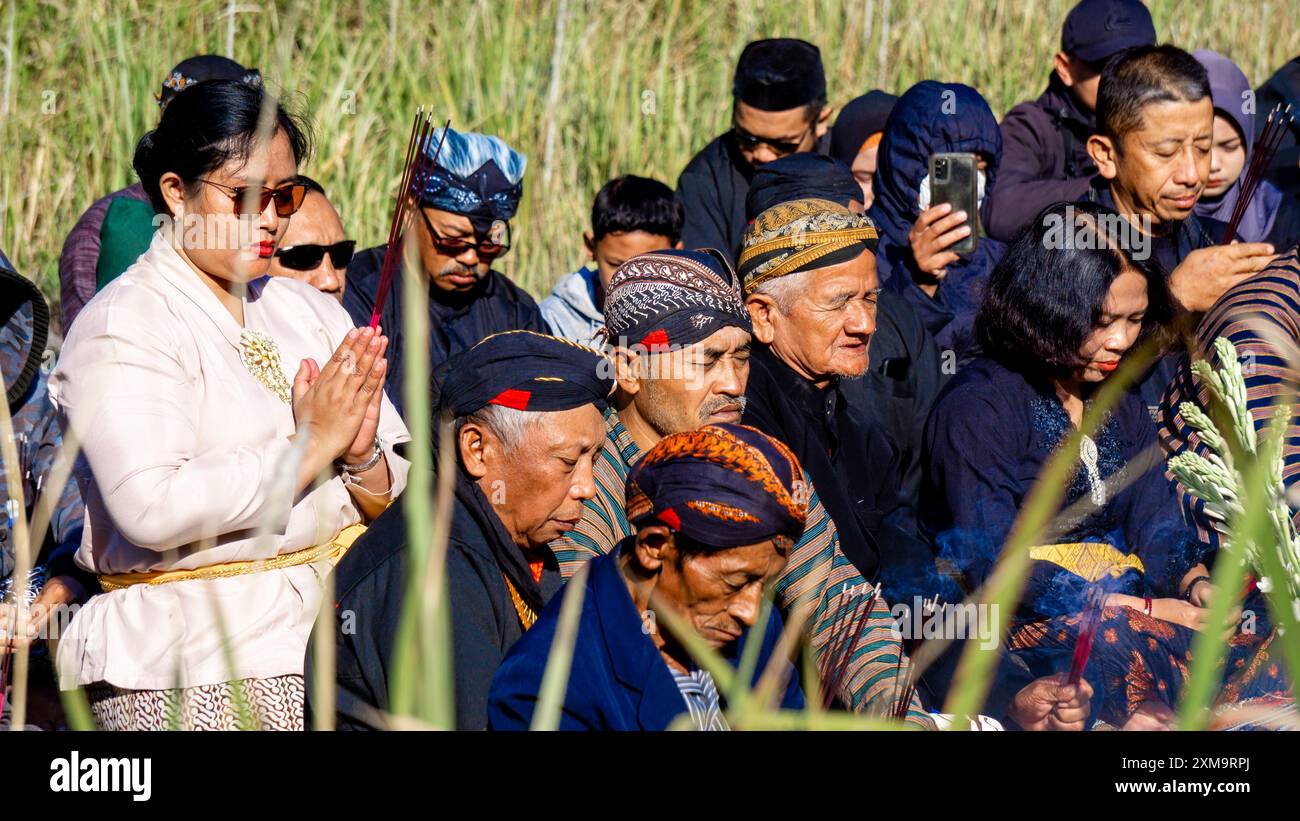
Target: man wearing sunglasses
{"type": "Point", "coordinates": [779, 109]}
{"type": "Point", "coordinates": [315, 249]}
{"type": "Point", "coordinates": [460, 229]}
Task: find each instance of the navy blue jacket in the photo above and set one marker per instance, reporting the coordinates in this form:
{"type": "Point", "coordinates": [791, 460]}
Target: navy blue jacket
{"type": "Point", "coordinates": [930, 118]}
{"type": "Point", "coordinates": [618, 679]}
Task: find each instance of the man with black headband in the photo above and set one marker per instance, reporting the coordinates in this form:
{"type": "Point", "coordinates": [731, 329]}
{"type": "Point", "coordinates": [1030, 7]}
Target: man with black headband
{"type": "Point", "coordinates": [461, 227]}
{"type": "Point", "coordinates": [680, 340]}
{"type": "Point", "coordinates": [779, 108]}
{"type": "Point", "coordinates": [116, 229]}
{"type": "Point", "coordinates": [905, 376]}
{"type": "Point", "coordinates": [710, 507]}
{"type": "Point", "coordinates": [526, 409]}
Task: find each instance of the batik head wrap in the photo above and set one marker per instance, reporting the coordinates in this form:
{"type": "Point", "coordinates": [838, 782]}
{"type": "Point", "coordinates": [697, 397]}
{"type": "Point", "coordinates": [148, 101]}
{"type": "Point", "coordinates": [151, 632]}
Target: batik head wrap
{"type": "Point", "coordinates": [721, 485]}
{"type": "Point", "coordinates": [801, 235]}
{"type": "Point", "coordinates": [666, 299]}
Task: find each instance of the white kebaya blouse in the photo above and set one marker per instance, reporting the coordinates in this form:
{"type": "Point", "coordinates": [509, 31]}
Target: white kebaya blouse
{"type": "Point", "coordinates": [186, 463]}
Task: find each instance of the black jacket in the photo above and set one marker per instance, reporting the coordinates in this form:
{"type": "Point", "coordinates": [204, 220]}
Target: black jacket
{"type": "Point", "coordinates": [852, 464]}
{"type": "Point", "coordinates": [1282, 88]}
{"type": "Point", "coordinates": [712, 189]}
{"type": "Point", "coordinates": [456, 321]}
{"type": "Point", "coordinates": [1044, 160]}
{"type": "Point", "coordinates": [901, 385]}
{"type": "Point", "coordinates": [369, 586]}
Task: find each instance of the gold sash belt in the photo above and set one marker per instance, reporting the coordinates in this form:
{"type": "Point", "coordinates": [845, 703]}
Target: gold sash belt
{"type": "Point", "coordinates": [1088, 560]}
{"type": "Point", "coordinates": [332, 550]}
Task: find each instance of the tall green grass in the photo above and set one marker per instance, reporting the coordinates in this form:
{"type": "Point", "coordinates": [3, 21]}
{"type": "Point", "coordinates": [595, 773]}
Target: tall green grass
{"type": "Point", "coordinates": [633, 86]}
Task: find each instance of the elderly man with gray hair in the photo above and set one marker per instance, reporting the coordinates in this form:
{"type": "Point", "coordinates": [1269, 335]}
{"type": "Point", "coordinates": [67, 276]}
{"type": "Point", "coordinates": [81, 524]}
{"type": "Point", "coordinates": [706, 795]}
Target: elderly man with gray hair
{"type": "Point", "coordinates": [527, 414]}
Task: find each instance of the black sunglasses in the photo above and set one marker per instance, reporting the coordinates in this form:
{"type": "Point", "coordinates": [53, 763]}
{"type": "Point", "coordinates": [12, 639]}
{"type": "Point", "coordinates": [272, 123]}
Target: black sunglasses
{"type": "Point", "coordinates": [455, 246]}
{"type": "Point", "coordinates": [780, 147]}
{"type": "Point", "coordinates": [308, 257]}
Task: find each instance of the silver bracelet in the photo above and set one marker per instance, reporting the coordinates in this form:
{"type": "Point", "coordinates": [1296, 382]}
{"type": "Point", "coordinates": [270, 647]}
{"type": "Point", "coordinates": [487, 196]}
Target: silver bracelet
{"type": "Point", "coordinates": [366, 465]}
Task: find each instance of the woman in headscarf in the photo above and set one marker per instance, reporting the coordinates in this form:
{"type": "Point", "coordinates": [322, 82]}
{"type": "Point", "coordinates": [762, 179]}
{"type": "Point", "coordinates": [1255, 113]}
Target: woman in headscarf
{"type": "Point", "coordinates": [218, 493]}
{"type": "Point", "coordinates": [1270, 216]}
{"type": "Point", "coordinates": [1060, 313]}
{"type": "Point", "coordinates": [856, 135]}
{"type": "Point", "coordinates": [912, 257]}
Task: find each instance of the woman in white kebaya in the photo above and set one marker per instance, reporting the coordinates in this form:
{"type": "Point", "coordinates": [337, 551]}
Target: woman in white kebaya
{"type": "Point", "coordinates": [234, 430]}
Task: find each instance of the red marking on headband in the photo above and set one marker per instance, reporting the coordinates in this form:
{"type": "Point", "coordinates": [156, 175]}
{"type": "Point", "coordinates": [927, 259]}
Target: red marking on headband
{"type": "Point", "coordinates": [656, 339]}
{"type": "Point", "coordinates": [512, 398]}
{"type": "Point", "coordinates": [670, 518]}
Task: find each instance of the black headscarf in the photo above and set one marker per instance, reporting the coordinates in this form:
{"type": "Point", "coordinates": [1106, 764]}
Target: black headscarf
{"type": "Point", "coordinates": [862, 117]}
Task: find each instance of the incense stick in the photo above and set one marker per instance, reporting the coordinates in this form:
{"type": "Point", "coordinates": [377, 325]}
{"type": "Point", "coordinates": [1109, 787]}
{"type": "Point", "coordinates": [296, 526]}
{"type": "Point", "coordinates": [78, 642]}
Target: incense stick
{"type": "Point", "coordinates": [416, 171]}
{"type": "Point", "coordinates": [1279, 121]}
{"type": "Point", "coordinates": [1088, 624]}
{"type": "Point", "coordinates": [851, 616]}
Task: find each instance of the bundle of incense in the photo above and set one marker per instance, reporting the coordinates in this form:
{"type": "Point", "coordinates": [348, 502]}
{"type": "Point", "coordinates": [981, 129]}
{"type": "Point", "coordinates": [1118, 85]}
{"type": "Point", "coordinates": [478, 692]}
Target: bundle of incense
{"type": "Point", "coordinates": [415, 176]}
{"type": "Point", "coordinates": [846, 636]}
{"type": "Point", "coordinates": [1088, 624]}
{"type": "Point", "coordinates": [904, 688]}
{"type": "Point", "coordinates": [1275, 128]}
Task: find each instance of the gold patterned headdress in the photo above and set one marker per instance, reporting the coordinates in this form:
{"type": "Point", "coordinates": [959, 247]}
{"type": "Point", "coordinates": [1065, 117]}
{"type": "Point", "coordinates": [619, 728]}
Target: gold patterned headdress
{"type": "Point", "coordinates": [800, 235]}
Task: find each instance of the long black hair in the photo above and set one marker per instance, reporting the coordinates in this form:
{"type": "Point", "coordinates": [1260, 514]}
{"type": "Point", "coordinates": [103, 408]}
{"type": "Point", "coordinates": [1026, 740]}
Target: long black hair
{"type": "Point", "coordinates": [201, 129]}
{"type": "Point", "coordinates": [1046, 295]}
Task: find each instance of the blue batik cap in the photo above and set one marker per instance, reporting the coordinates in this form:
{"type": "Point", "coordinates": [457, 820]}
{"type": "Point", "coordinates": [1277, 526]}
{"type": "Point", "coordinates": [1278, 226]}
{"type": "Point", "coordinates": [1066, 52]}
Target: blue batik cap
{"type": "Point", "coordinates": [477, 176]}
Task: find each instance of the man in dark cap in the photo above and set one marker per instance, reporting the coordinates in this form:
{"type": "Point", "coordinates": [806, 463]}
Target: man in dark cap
{"type": "Point", "coordinates": [716, 511]}
{"type": "Point", "coordinates": [1044, 141]}
{"type": "Point", "coordinates": [779, 108]}
{"type": "Point", "coordinates": [526, 410]}
{"type": "Point", "coordinates": [116, 229]}
{"type": "Point", "coordinates": [856, 135]}
{"type": "Point", "coordinates": [461, 227]}
{"type": "Point", "coordinates": [679, 336]}
{"type": "Point", "coordinates": [905, 375]}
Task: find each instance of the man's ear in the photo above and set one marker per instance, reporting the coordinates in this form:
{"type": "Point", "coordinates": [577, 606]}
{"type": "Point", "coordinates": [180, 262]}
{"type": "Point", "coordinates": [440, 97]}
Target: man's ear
{"type": "Point", "coordinates": [823, 121]}
{"type": "Point", "coordinates": [1061, 62]}
{"type": "Point", "coordinates": [1105, 153]}
{"type": "Point", "coordinates": [762, 309]}
{"type": "Point", "coordinates": [475, 449]}
{"type": "Point", "coordinates": [590, 243]}
{"type": "Point", "coordinates": [627, 369]}
{"type": "Point", "coordinates": [654, 546]}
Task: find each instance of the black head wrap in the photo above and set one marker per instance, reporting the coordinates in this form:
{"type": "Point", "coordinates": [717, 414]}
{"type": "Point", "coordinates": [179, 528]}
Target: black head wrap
{"type": "Point", "coordinates": [526, 371]}
{"type": "Point", "coordinates": [800, 176]}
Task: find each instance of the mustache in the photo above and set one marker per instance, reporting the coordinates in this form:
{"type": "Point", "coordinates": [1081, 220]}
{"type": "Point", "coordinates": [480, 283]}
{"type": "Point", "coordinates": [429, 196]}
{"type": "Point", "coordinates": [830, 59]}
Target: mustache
{"type": "Point", "coordinates": [717, 403]}
{"type": "Point", "coordinates": [454, 268]}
